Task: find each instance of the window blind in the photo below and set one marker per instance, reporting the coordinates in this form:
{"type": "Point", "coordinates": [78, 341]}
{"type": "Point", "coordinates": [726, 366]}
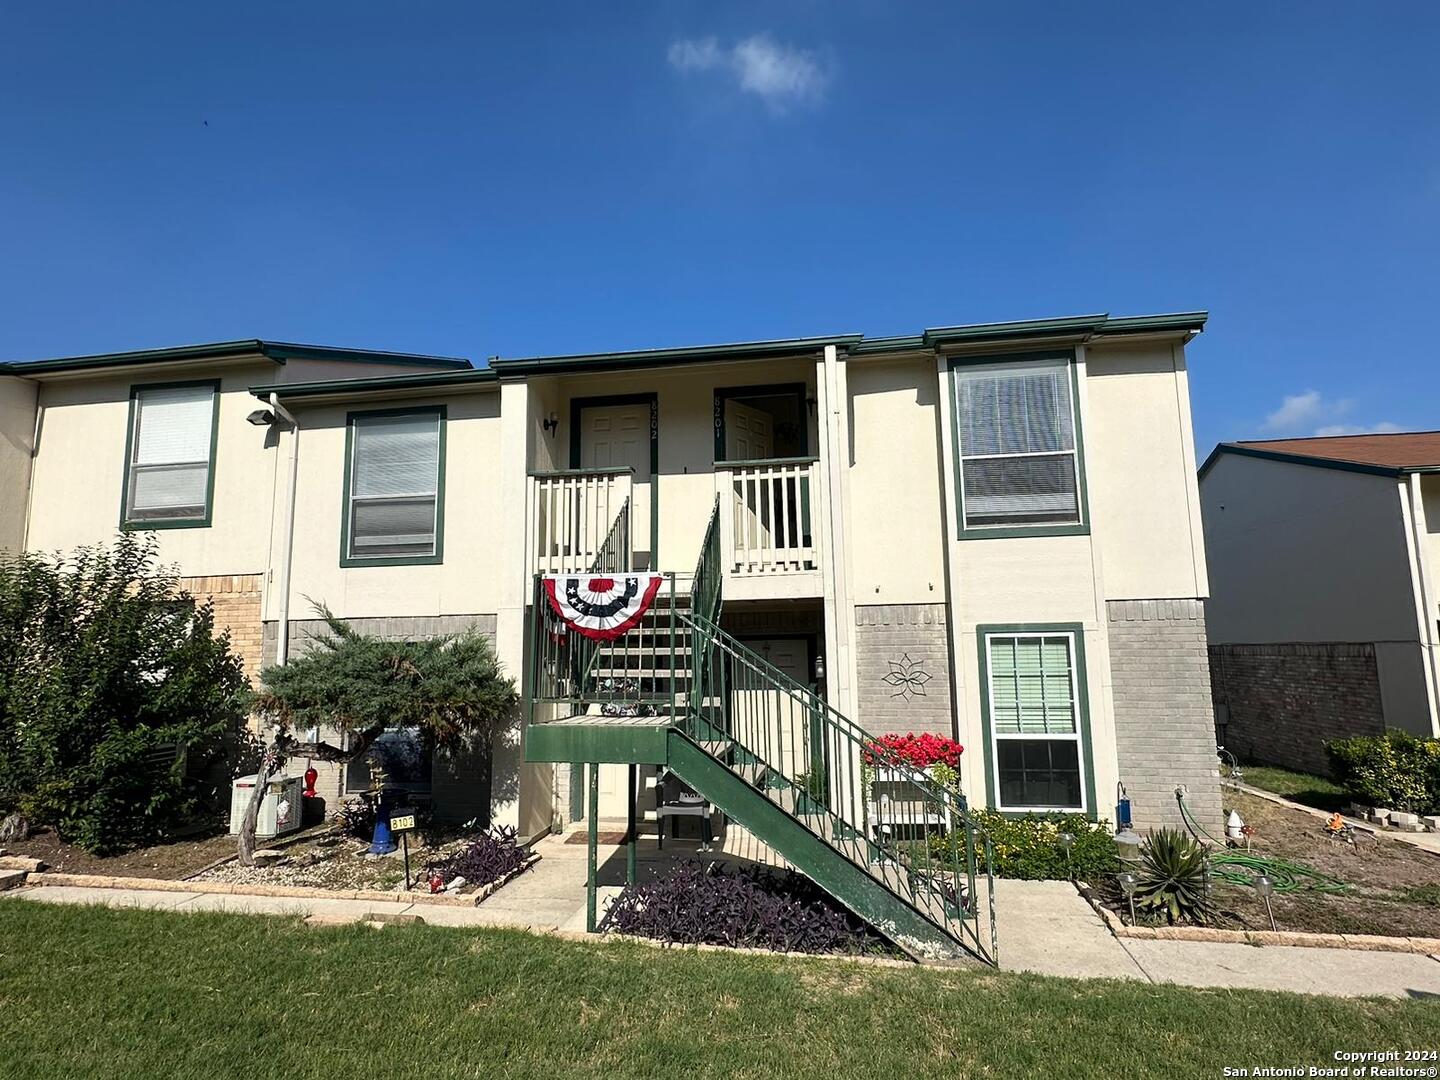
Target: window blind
{"type": "Point", "coordinates": [169, 468]}
{"type": "Point", "coordinates": [394, 485]}
{"type": "Point", "coordinates": [1031, 685]}
{"type": "Point", "coordinates": [1017, 444]}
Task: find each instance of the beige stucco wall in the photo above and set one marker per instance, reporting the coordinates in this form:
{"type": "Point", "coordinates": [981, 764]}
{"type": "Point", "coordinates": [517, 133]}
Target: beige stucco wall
{"type": "Point", "coordinates": [1140, 470]}
{"type": "Point", "coordinates": [894, 523]}
{"type": "Point", "coordinates": [79, 472]}
{"type": "Point", "coordinates": [17, 433]}
{"type": "Point", "coordinates": [466, 582]}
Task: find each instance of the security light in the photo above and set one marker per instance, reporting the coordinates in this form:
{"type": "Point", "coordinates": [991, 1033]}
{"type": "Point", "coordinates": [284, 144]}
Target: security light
{"type": "Point", "coordinates": [261, 418]}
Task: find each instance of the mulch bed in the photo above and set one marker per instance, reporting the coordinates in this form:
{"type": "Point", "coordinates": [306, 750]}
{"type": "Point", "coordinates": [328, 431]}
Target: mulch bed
{"type": "Point", "coordinates": [172, 862]}
{"type": "Point", "coordinates": [1396, 886]}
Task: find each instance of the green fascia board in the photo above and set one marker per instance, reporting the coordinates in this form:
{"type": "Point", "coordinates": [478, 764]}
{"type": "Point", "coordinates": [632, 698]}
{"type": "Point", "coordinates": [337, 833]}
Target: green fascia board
{"type": "Point", "coordinates": [276, 351]}
{"type": "Point", "coordinates": [1301, 459]}
{"type": "Point", "coordinates": [862, 894]}
{"type": "Point", "coordinates": [1062, 327]}
{"type": "Point", "coordinates": [1068, 326]}
{"type": "Point", "coordinates": [634, 744]}
{"type": "Point", "coordinates": [644, 358]}
{"type": "Point", "coordinates": [479, 378]}
{"type": "Point", "coordinates": [1154, 324]}
{"type": "Point", "coordinates": [282, 351]}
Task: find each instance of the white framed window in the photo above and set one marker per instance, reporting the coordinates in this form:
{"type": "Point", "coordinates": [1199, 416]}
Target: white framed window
{"type": "Point", "coordinates": [1035, 721]}
{"type": "Point", "coordinates": [171, 447]}
{"type": "Point", "coordinates": [394, 497]}
{"type": "Point", "coordinates": [1016, 433]}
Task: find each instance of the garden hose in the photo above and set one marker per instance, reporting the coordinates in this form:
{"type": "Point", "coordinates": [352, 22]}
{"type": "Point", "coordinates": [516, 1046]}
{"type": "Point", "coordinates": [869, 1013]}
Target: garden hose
{"type": "Point", "coordinates": [1241, 867]}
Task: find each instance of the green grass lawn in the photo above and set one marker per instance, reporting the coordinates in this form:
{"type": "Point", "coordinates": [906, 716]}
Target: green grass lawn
{"type": "Point", "coordinates": [116, 993]}
{"type": "Point", "coordinates": [1317, 791]}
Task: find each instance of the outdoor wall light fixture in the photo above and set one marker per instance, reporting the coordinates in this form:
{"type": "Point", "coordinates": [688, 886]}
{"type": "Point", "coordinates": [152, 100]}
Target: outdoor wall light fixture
{"type": "Point", "coordinates": [261, 418]}
{"type": "Point", "coordinates": [1128, 882]}
{"type": "Point", "coordinates": [551, 424]}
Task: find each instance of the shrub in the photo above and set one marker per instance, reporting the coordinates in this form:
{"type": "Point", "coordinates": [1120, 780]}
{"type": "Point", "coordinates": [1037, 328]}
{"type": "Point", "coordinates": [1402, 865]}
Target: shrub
{"type": "Point", "coordinates": [1395, 770]}
{"type": "Point", "coordinates": [1174, 878]}
{"type": "Point", "coordinates": [753, 907]}
{"type": "Point", "coordinates": [1028, 847]}
{"type": "Point", "coordinates": [489, 858]}
{"type": "Point", "coordinates": [114, 689]}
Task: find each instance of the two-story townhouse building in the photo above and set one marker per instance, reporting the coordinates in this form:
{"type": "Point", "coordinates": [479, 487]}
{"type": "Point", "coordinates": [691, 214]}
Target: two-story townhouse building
{"type": "Point", "coordinates": [1324, 621]}
{"type": "Point", "coordinates": [987, 531]}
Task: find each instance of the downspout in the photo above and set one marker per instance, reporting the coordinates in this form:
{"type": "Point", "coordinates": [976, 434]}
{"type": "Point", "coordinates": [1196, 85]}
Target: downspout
{"type": "Point", "coordinates": [1428, 612]}
{"type": "Point", "coordinates": [282, 630]}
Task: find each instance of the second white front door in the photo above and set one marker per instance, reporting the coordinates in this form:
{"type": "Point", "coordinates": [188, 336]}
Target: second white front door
{"type": "Point", "coordinates": [618, 436]}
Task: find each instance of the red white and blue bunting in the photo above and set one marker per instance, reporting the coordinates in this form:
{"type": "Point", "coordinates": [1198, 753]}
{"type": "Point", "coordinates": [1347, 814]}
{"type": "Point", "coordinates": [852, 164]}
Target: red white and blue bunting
{"type": "Point", "coordinates": [601, 608]}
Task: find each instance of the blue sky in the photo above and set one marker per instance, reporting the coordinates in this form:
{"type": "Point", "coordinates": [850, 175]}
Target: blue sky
{"type": "Point", "coordinates": [540, 178]}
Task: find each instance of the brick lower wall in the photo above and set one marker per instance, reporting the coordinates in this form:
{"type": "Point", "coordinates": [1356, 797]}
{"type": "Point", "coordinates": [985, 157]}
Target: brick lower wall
{"type": "Point", "coordinates": [1164, 723]}
{"type": "Point", "coordinates": [903, 668]}
{"type": "Point", "coordinates": [236, 599]}
{"type": "Point", "coordinates": [1280, 703]}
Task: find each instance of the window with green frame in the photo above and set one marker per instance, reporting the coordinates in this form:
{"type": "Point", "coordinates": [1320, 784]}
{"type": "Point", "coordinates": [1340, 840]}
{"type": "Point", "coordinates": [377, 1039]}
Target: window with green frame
{"type": "Point", "coordinates": [1016, 435]}
{"type": "Point", "coordinates": [1035, 721]}
{"type": "Point", "coordinates": [394, 489]}
{"type": "Point", "coordinates": [170, 455]}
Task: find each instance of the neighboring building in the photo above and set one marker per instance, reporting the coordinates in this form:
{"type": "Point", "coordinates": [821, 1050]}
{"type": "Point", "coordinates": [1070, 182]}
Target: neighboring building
{"type": "Point", "coordinates": [989, 531]}
{"type": "Point", "coordinates": [1323, 612]}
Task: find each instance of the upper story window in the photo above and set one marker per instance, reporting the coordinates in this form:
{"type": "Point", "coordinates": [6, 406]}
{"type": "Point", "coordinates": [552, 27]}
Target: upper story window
{"type": "Point", "coordinates": [394, 490]}
{"type": "Point", "coordinates": [1017, 439]}
{"type": "Point", "coordinates": [170, 466]}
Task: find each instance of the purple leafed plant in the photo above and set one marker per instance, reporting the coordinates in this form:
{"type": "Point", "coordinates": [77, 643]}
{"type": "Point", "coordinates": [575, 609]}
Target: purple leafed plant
{"type": "Point", "coordinates": [753, 907]}
{"type": "Point", "coordinates": [490, 857]}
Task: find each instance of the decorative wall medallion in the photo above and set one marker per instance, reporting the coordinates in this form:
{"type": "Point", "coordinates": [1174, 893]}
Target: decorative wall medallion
{"type": "Point", "coordinates": [907, 677]}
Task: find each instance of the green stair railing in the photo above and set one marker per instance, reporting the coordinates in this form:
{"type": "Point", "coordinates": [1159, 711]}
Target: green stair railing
{"type": "Point", "coordinates": [901, 825]}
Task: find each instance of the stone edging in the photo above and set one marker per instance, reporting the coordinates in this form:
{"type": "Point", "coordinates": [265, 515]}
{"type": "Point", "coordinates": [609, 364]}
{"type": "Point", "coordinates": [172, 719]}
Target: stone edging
{"type": "Point", "coordinates": [1291, 938]}
{"type": "Point", "coordinates": [220, 888]}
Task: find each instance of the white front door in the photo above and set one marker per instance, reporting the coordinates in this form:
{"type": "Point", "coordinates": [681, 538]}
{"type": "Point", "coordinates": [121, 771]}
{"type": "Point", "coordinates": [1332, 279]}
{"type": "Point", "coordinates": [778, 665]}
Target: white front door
{"type": "Point", "coordinates": [749, 433]}
{"type": "Point", "coordinates": [774, 723]}
{"type": "Point", "coordinates": [616, 436]}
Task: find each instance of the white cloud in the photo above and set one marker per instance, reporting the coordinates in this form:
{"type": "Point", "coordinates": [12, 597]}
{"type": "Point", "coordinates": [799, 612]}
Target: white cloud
{"type": "Point", "coordinates": [1311, 413]}
{"type": "Point", "coordinates": [780, 75]}
{"type": "Point", "coordinates": [1384, 427]}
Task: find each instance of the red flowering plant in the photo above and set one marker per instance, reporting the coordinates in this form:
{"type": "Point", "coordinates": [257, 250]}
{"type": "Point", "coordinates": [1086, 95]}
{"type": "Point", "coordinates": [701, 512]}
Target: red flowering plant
{"type": "Point", "coordinates": [938, 755]}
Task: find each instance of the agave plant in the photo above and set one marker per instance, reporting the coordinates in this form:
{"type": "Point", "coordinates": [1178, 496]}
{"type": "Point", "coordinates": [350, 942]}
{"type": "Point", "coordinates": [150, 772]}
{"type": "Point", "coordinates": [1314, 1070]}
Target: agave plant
{"type": "Point", "coordinates": [1174, 878]}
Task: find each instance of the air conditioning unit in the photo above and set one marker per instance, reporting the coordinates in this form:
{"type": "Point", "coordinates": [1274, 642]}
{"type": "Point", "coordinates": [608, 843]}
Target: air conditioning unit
{"type": "Point", "coordinates": [280, 810]}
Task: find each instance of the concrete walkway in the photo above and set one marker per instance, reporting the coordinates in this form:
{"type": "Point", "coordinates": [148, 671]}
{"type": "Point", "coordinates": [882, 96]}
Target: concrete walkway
{"type": "Point", "coordinates": [1044, 926]}
{"type": "Point", "coordinates": [1047, 927]}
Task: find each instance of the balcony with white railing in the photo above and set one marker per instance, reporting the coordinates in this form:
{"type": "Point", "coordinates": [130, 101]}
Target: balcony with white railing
{"type": "Point", "coordinates": [770, 526]}
{"type": "Point", "coordinates": [571, 515]}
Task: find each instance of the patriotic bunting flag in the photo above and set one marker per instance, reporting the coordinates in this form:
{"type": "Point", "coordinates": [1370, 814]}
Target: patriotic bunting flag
{"type": "Point", "coordinates": [601, 608]}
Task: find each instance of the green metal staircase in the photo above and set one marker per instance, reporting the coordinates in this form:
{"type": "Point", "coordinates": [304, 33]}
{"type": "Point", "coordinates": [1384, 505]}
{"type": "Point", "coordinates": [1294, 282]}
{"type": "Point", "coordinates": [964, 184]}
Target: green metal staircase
{"type": "Point", "coordinates": [895, 847]}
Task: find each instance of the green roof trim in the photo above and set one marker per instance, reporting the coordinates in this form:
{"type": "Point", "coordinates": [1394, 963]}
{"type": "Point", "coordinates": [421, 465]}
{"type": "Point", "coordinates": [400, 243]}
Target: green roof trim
{"type": "Point", "coordinates": [1240, 450]}
{"type": "Point", "coordinates": [479, 377]}
{"type": "Point", "coordinates": [640, 358]}
{"type": "Point", "coordinates": [276, 351]}
{"type": "Point", "coordinates": [1071, 326]}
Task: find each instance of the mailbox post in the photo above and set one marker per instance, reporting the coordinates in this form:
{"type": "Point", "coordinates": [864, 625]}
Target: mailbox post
{"type": "Point", "coordinates": [402, 821]}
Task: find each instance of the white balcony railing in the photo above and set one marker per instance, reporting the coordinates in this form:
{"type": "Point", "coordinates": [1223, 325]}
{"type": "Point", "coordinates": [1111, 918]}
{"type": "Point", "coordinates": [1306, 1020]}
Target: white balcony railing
{"type": "Point", "coordinates": [571, 514]}
{"type": "Point", "coordinates": [769, 515]}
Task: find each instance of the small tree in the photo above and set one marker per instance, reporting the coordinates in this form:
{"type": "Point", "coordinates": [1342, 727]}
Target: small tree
{"type": "Point", "coordinates": [114, 687]}
{"type": "Point", "coordinates": [361, 686]}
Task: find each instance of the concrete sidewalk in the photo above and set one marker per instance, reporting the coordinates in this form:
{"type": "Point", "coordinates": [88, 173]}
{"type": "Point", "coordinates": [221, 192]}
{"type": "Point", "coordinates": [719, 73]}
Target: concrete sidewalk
{"type": "Point", "coordinates": [1044, 927]}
